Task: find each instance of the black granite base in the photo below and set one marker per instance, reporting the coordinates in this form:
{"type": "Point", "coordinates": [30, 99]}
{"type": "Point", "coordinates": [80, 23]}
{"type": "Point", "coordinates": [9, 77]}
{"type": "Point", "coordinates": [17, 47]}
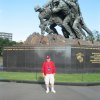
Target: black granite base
{"type": "Point", "coordinates": [68, 59]}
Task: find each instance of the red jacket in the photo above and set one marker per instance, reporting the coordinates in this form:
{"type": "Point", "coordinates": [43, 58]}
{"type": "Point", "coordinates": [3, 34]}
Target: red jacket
{"type": "Point", "coordinates": [48, 68]}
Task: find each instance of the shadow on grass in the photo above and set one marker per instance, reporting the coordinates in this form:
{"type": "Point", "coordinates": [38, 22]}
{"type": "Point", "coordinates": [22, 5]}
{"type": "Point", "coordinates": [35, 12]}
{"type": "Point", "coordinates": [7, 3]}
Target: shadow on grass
{"type": "Point", "coordinates": [40, 79]}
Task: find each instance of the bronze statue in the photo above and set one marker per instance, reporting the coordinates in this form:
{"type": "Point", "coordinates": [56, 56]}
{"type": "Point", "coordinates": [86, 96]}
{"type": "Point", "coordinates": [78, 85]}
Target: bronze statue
{"type": "Point", "coordinates": [65, 14]}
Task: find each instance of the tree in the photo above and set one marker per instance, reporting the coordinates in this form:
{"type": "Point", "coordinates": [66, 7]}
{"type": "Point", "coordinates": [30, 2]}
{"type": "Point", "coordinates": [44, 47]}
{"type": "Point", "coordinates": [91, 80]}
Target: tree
{"type": "Point", "coordinates": [96, 35]}
{"type": "Point", "coordinates": [5, 42]}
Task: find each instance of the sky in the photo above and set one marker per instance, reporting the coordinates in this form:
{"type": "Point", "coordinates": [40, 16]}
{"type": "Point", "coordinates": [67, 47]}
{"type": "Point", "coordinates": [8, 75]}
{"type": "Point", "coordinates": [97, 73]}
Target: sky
{"type": "Point", "coordinates": [18, 16]}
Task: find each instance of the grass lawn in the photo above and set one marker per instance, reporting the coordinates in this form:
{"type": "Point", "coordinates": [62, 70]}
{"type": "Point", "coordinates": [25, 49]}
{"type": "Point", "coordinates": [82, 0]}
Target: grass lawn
{"type": "Point", "coordinates": [91, 77]}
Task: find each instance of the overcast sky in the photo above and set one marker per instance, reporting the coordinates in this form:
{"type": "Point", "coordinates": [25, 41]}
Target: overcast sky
{"type": "Point", "coordinates": [18, 16]}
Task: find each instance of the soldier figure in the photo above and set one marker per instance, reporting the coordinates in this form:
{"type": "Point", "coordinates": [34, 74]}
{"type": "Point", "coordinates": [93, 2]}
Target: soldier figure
{"type": "Point", "coordinates": [48, 19]}
{"type": "Point", "coordinates": [78, 23]}
{"type": "Point", "coordinates": [64, 13]}
{"type": "Point", "coordinates": [61, 6]}
{"type": "Point", "coordinates": [44, 16]}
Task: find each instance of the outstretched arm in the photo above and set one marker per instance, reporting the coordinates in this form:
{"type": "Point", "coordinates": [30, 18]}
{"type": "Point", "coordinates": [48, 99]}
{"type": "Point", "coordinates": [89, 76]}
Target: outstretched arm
{"type": "Point", "coordinates": [70, 3]}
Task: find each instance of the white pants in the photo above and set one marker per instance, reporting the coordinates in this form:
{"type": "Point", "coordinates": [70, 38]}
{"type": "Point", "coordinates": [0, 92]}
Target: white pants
{"type": "Point", "coordinates": [49, 78]}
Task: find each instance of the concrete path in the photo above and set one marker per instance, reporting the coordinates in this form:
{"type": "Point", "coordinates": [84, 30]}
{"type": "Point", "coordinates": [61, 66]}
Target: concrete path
{"type": "Point", "coordinates": [22, 91]}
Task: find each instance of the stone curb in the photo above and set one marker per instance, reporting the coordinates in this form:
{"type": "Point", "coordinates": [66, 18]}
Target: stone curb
{"type": "Point", "coordinates": [56, 83]}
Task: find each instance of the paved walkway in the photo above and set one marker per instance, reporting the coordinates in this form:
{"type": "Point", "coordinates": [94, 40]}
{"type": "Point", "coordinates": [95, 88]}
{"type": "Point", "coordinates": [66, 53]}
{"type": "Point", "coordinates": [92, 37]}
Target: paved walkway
{"type": "Point", "coordinates": [22, 91]}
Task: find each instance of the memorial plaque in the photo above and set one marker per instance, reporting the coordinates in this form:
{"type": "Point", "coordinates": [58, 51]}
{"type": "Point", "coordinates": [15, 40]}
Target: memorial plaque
{"type": "Point", "coordinates": [86, 59]}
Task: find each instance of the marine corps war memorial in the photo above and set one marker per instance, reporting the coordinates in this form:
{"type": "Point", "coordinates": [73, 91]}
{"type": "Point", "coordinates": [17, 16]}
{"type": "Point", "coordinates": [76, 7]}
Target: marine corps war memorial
{"type": "Point", "coordinates": [73, 51]}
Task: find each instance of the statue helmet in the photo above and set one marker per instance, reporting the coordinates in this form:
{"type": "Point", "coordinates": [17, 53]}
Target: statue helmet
{"type": "Point", "coordinates": [37, 8]}
{"type": "Point", "coordinates": [56, 0]}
